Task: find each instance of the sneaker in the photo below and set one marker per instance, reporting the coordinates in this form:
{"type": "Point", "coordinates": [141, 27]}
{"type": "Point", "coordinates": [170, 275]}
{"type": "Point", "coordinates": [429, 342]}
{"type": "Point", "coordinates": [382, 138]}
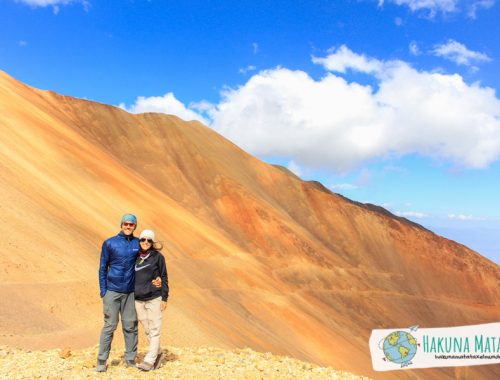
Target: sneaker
{"type": "Point", "coordinates": [100, 366]}
{"type": "Point", "coordinates": [158, 360]}
{"type": "Point", "coordinates": [130, 363]}
{"type": "Point", "coordinates": [145, 366]}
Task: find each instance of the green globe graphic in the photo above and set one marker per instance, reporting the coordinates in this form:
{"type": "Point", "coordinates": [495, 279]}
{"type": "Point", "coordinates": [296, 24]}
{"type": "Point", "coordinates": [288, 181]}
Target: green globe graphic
{"type": "Point", "coordinates": [399, 347]}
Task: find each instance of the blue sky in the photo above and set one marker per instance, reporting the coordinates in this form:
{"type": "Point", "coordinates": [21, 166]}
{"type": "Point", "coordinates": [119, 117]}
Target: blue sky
{"type": "Point", "coordinates": [391, 102]}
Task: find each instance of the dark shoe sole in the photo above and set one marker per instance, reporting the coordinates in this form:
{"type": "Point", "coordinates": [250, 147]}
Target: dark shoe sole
{"type": "Point", "coordinates": [158, 360]}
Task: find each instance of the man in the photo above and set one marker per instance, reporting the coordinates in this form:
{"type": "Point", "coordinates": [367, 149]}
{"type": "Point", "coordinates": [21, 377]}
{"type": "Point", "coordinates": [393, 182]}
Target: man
{"type": "Point", "coordinates": [116, 282]}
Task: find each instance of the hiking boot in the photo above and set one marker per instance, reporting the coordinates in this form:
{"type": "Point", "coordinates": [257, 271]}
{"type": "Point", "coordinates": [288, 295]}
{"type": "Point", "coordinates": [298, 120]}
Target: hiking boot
{"type": "Point", "coordinates": [158, 360]}
{"type": "Point", "coordinates": [100, 366]}
{"type": "Point", "coordinates": [130, 363]}
{"type": "Point", "coordinates": [145, 366]}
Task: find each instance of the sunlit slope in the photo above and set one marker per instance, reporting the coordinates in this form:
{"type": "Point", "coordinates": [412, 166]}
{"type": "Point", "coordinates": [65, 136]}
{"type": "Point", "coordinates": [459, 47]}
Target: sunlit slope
{"type": "Point", "coordinates": [256, 256]}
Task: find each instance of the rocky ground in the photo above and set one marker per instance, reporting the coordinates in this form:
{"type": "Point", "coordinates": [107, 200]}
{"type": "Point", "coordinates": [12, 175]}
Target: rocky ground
{"type": "Point", "coordinates": [179, 363]}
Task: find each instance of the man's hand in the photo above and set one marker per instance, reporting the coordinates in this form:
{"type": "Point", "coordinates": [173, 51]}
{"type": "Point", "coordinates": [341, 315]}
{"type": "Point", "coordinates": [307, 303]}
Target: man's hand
{"type": "Point", "coordinates": [157, 282]}
{"type": "Point", "coordinates": [163, 305]}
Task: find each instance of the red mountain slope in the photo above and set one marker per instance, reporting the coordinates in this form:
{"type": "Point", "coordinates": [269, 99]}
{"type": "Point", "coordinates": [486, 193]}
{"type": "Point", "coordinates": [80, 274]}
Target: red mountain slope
{"type": "Point", "coordinates": [256, 256]}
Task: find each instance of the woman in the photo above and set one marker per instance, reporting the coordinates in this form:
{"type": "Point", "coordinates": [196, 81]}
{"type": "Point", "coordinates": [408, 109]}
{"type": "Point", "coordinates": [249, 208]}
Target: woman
{"type": "Point", "coordinates": [150, 301]}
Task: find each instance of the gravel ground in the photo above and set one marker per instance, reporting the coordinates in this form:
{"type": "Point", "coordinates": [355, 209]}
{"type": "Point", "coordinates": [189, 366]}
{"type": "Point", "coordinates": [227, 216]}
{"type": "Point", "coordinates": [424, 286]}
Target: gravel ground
{"type": "Point", "coordinates": [179, 363]}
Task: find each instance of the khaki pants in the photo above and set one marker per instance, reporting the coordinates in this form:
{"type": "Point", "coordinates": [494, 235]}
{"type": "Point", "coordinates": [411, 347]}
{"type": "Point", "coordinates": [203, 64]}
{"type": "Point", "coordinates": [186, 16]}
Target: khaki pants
{"type": "Point", "coordinates": [149, 314]}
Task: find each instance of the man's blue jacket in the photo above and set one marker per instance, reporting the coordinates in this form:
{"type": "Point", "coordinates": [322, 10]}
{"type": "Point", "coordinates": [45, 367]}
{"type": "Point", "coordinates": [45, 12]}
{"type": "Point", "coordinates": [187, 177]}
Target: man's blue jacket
{"type": "Point", "coordinates": [117, 267]}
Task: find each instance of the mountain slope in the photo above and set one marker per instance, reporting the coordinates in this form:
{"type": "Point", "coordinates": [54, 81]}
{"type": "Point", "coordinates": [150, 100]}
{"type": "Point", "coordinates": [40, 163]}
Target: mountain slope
{"type": "Point", "coordinates": [256, 256]}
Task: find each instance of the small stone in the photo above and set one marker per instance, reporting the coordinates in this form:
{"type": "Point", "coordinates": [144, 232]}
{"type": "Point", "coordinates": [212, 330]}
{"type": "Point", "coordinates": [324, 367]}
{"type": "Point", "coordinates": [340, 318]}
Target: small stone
{"type": "Point", "coordinates": [89, 363]}
{"type": "Point", "coordinates": [65, 353]}
{"type": "Point", "coordinates": [170, 356]}
{"type": "Point", "coordinates": [115, 362]}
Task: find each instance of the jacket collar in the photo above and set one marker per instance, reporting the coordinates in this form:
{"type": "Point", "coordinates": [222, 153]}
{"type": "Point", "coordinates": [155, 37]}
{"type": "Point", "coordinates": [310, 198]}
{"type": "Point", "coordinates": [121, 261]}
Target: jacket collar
{"type": "Point", "coordinates": [123, 236]}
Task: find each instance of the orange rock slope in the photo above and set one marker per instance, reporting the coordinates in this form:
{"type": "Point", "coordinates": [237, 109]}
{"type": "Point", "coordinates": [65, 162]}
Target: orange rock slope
{"type": "Point", "coordinates": [256, 256]}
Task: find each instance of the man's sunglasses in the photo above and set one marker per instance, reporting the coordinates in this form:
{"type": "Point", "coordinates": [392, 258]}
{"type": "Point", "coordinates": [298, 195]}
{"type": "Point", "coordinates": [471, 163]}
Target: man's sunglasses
{"type": "Point", "coordinates": [148, 240]}
{"type": "Point", "coordinates": [128, 224]}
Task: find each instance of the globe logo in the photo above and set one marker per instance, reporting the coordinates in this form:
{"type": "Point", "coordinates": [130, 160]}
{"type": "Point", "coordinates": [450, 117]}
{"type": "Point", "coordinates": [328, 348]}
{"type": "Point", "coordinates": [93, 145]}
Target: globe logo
{"type": "Point", "coordinates": [399, 347]}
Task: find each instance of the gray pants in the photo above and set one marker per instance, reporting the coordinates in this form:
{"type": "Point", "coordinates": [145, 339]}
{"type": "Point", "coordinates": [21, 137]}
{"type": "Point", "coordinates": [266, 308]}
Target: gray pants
{"type": "Point", "coordinates": [118, 303]}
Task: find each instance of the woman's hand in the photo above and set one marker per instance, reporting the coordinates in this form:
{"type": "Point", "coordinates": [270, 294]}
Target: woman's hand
{"type": "Point", "coordinates": [163, 305]}
{"type": "Point", "coordinates": [157, 282]}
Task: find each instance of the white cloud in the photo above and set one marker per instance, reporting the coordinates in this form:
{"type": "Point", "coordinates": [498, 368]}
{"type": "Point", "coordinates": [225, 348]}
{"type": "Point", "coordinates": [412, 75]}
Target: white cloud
{"type": "Point", "coordinates": [343, 186]}
{"type": "Point", "coordinates": [202, 107]}
{"type": "Point", "coordinates": [333, 123]}
{"type": "Point", "coordinates": [255, 47]}
{"type": "Point", "coordinates": [320, 119]}
{"type": "Point", "coordinates": [476, 5]}
{"type": "Point", "coordinates": [55, 4]}
{"type": "Point", "coordinates": [342, 59]}
{"type": "Point", "coordinates": [464, 217]}
{"type": "Point", "coordinates": [44, 3]}
{"type": "Point", "coordinates": [458, 53]}
{"type": "Point", "coordinates": [414, 49]}
{"type": "Point", "coordinates": [398, 21]}
{"type": "Point", "coordinates": [168, 104]}
{"type": "Point", "coordinates": [433, 6]}
{"type": "Point", "coordinates": [294, 168]}
{"type": "Point", "coordinates": [444, 6]}
{"type": "Point", "coordinates": [22, 43]}
{"type": "Point", "coordinates": [245, 70]}
{"type": "Point", "coordinates": [411, 214]}
{"type": "Point", "coordinates": [395, 169]}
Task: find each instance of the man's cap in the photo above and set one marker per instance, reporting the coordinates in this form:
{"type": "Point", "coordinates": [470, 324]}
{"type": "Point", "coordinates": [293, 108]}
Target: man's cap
{"type": "Point", "coordinates": [128, 218]}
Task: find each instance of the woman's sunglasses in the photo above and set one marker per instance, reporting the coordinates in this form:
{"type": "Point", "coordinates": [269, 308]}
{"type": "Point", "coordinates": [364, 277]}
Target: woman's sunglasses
{"type": "Point", "coordinates": [148, 240]}
{"type": "Point", "coordinates": [128, 224]}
